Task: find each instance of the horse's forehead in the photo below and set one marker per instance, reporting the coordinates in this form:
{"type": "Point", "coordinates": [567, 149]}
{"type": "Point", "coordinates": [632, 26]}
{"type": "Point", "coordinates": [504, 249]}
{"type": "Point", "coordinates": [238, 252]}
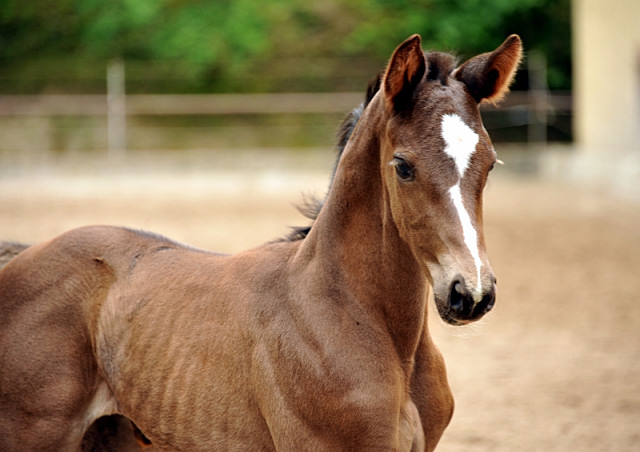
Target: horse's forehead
{"type": "Point", "coordinates": [438, 101]}
{"type": "Point", "coordinates": [459, 139]}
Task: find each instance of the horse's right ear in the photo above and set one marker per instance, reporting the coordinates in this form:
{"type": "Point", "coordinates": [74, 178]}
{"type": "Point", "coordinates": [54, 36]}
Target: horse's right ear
{"type": "Point", "coordinates": [489, 75]}
{"type": "Point", "coordinates": [404, 72]}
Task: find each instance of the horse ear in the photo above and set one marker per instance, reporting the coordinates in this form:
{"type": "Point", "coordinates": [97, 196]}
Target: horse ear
{"type": "Point", "coordinates": [404, 72]}
{"type": "Point", "coordinates": [489, 75]}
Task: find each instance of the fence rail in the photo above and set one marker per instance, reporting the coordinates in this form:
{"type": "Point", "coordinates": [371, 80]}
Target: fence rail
{"type": "Point", "coordinates": [225, 104]}
{"type": "Point", "coordinates": [121, 116]}
{"type": "Point", "coordinates": [181, 104]}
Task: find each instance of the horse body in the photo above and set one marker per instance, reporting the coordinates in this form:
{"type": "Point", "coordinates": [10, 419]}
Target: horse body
{"type": "Point", "coordinates": [247, 352]}
{"type": "Point", "coordinates": [314, 344]}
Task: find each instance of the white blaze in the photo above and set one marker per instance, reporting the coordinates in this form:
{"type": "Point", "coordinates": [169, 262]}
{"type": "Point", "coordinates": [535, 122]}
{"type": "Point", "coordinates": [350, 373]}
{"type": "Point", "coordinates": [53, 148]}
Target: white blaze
{"type": "Point", "coordinates": [469, 233]}
{"type": "Point", "coordinates": [461, 143]}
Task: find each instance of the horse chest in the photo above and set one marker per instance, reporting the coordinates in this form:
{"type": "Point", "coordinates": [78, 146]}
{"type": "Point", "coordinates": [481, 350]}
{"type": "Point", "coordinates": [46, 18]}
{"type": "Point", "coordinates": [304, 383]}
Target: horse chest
{"type": "Point", "coordinates": [324, 391]}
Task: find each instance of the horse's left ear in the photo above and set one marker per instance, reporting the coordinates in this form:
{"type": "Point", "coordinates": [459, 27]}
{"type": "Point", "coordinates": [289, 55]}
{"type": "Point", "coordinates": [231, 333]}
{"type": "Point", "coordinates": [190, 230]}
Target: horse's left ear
{"type": "Point", "coordinates": [489, 75]}
{"type": "Point", "coordinates": [404, 72]}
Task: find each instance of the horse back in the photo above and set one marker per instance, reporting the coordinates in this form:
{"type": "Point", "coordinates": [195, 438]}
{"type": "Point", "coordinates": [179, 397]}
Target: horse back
{"type": "Point", "coordinates": [66, 279]}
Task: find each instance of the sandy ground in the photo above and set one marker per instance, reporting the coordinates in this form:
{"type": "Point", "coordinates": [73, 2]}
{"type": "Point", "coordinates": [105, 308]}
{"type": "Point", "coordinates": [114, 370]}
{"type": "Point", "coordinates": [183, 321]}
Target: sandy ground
{"type": "Point", "coordinates": [556, 365]}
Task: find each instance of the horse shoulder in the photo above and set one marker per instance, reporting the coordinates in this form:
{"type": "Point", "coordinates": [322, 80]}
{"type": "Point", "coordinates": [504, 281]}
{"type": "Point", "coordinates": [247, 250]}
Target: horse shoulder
{"type": "Point", "coordinates": [322, 365]}
{"type": "Point", "coordinates": [430, 391]}
{"type": "Point", "coordinates": [313, 400]}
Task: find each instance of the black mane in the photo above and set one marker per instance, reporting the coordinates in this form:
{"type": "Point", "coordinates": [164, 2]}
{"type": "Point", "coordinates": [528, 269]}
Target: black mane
{"type": "Point", "coordinates": [440, 66]}
{"type": "Point", "coordinates": [311, 205]}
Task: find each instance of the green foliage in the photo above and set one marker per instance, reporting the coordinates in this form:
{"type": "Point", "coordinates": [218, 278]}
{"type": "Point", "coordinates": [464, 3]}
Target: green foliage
{"type": "Point", "coordinates": [222, 44]}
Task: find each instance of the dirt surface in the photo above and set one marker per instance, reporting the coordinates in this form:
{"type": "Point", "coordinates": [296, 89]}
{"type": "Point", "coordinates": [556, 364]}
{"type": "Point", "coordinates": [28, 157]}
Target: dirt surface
{"type": "Point", "coordinates": [556, 365]}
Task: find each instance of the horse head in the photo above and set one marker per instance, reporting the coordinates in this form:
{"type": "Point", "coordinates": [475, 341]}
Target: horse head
{"type": "Point", "coordinates": [436, 157]}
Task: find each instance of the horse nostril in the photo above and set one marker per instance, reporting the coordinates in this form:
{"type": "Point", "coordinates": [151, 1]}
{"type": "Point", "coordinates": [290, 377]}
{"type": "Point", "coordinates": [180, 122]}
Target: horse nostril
{"type": "Point", "coordinates": [486, 304]}
{"type": "Point", "coordinates": [460, 301]}
{"type": "Point", "coordinates": [455, 297]}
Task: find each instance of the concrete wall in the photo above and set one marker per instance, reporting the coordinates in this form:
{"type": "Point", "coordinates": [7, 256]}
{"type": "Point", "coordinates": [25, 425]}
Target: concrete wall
{"type": "Point", "coordinates": [607, 74]}
{"type": "Point", "coordinates": [606, 89]}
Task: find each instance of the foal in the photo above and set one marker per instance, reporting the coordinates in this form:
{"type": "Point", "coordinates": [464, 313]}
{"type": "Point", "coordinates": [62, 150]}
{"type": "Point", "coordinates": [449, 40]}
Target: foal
{"type": "Point", "coordinates": [314, 344]}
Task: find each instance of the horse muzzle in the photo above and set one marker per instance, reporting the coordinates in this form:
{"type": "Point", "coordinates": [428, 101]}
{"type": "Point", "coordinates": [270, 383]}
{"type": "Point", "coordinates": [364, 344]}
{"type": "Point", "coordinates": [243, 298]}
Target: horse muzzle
{"type": "Point", "coordinates": [459, 304]}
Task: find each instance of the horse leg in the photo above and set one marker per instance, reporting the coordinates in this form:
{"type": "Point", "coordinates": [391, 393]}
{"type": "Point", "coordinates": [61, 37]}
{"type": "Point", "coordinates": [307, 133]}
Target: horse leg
{"type": "Point", "coordinates": [49, 379]}
{"type": "Point", "coordinates": [114, 433]}
{"type": "Point", "coordinates": [430, 391]}
{"type": "Point", "coordinates": [45, 394]}
{"type": "Point", "coordinates": [411, 432]}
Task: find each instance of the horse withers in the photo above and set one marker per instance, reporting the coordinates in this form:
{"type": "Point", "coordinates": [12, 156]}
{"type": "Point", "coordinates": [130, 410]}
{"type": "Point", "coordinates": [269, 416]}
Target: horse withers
{"type": "Point", "coordinates": [319, 343]}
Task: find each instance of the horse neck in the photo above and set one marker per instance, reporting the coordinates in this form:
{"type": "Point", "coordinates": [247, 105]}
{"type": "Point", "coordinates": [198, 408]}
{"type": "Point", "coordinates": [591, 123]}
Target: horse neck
{"type": "Point", "coordinates": [355, 241]}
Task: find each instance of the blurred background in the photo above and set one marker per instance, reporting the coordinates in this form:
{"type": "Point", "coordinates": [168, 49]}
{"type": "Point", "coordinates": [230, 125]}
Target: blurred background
{"type": "Point", "coordinates": [205, 120]}
{"type": "Point", "coordinates": [246, 73]}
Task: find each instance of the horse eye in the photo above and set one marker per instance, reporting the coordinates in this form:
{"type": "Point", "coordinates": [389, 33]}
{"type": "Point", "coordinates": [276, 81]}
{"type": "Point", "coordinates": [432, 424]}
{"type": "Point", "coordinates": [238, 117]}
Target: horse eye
{"type": "Point", "coordinates": [404, 169]}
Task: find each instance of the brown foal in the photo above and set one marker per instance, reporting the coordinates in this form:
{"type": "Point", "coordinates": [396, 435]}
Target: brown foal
{"type": "Point", "coordinates": [313, 344]}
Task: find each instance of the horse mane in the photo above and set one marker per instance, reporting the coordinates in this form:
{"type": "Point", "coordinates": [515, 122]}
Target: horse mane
{"type": "Point", "coordinates": [311, 205]}
{"type": "Point", "coordinates": [439, 66]}
{"type": "Point", "coordinates": [9, 250]}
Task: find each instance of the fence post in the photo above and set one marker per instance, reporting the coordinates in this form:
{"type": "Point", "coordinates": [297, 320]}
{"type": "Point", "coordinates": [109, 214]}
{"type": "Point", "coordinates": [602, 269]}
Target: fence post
{"type": "Point", "coordinates": [116, 109]}
{"type": "Point", "coordinates": [538, 92]}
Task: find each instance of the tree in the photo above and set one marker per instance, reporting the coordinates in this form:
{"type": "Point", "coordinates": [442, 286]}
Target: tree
{"type": "Point", "coordinates": [214, 44]}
